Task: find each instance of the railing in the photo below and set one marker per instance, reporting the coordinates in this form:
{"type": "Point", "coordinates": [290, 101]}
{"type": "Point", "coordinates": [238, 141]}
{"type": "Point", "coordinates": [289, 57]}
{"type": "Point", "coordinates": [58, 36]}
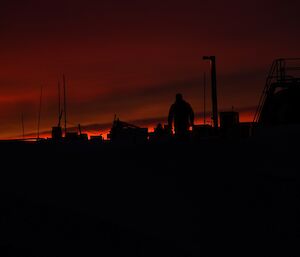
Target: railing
{"type": "Point", "coordinates": [279, 73]}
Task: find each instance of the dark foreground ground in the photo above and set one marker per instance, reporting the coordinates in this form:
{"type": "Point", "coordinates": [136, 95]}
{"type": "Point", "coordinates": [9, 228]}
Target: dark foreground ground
{"type": "Point", "coordinates": [211, 198]}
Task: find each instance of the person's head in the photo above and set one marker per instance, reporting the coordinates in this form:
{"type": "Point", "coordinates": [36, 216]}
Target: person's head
{"type": "Point", "coordinates": [179, 97]}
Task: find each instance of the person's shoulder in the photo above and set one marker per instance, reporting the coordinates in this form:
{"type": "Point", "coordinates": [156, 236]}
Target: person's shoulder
{"type": "Point", "coordinates": [172, 106]}
{"type": "Point", "coordinates": [187, 104]}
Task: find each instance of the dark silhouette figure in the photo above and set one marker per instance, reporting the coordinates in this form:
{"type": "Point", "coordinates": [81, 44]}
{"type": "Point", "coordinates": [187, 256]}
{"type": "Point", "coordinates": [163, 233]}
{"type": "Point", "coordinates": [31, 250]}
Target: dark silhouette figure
{"type": "Point", "coordinates": [183, 115]}
{"type": "Point", "coordinates": [159, 130]}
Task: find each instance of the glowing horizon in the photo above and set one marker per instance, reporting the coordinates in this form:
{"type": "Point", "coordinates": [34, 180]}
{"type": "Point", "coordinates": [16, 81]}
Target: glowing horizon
{"type": "Point", "coordinates": [104, 129]}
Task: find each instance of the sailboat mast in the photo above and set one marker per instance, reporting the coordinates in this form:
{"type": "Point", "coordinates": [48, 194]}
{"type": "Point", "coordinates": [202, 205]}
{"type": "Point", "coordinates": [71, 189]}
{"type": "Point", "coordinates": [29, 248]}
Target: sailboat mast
{"type": "Point", "coordinates": [22, 121]}
{"type": "Point", "coordinates": [65, 104]}
{"type": "Point", "coordinates": [39, 117]}
{"type": "Point", "coordinates": [204, 98]}
{"type": "Point", "coordinates": [59, 107]}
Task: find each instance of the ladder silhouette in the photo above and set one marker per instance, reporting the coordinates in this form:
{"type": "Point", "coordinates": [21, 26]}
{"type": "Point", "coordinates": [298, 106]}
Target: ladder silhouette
{"type": "Point", "coordinates": [277, 77]}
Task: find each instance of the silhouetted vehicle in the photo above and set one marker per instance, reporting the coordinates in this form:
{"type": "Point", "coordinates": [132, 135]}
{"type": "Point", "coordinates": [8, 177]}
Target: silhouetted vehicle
{"type": "Point", "coordinates": [183, 115]}
{"type": "Point", "coordinates": [123, 132]}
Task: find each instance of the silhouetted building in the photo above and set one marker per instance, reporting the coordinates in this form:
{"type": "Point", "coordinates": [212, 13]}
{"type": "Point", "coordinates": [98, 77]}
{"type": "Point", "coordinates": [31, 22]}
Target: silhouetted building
{"type": "Point", "coordinates": [202, 131]}
{"type": "Point", "coordinates": [246, 129]}
{"type": "Point", "coordinates": [56, 133]}
{"type": "Point", "coordinates": [229, 120]}
{"type": "Point", "coordinates": [161, 133]}
{"type": "Point", "coordinates": [72, 136]}
{"type": "Point", "coordinates": [182, 114]}
{"type": "Point", "coordinates": [83, 136]}
{"type": "Point", "coordinates": [229, 124]}
{"type": "Point", "coordinates": [96, 139]}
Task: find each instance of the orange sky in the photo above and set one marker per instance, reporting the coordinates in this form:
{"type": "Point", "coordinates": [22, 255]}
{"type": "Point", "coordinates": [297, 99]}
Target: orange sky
{"type": "Point", "coordinates": [131, 58]}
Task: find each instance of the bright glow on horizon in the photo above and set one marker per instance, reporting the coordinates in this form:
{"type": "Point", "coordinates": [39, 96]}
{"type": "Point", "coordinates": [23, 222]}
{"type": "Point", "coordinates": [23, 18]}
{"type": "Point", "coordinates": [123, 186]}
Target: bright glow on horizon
{"type": "Point", "coordinates": [245, 116]}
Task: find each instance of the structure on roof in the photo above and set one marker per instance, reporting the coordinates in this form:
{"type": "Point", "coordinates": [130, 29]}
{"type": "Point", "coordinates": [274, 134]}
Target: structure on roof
{"type": "Point", "coordinates": [123, 132]}
{"type": "Point", "coordinates": [279, 103]}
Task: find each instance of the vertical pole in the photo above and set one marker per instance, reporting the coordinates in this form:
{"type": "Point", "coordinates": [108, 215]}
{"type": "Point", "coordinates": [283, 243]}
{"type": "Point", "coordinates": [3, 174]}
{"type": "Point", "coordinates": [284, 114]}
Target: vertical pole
{"type": "Point", "coordinates": [214, 91]}
{"type": "Point", "coordinates": [204, 98]}
{"type": "Point", "coordinates": [22, 121]}
{"type": "Point", "coordinates": [39, 117]}
{"type": "Point", "coordinates": [212, 60]}
{"type": "Point", "coordinates": [59, 108]}
{"type": "Point", "coordinates": [65, 104]}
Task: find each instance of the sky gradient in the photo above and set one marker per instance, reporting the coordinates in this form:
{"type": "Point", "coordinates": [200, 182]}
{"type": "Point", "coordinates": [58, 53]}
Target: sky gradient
{"type": "Point", "coordinates": [130, 58]}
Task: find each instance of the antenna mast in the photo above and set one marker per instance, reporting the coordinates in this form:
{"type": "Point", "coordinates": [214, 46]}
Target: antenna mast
{"type": "Point", "coordinates": [59, 108]}
{"type": "Point", "coordinates": [204, 103]}
{"type": "Point", "coordinates": [65, 104]}
{"type": "Point", "coordinates": [39, 117]}
{"type": "Point", "coordinates": [22, 121]}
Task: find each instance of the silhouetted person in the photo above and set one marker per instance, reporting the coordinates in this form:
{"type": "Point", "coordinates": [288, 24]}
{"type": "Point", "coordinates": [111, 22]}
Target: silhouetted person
{"type": "Point", "coordinates": [183, 115]}
{"type": "Point", "coordinates": [159, 130]}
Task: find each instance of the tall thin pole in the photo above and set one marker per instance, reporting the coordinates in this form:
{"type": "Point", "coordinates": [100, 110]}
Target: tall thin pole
{"type": "Point", "coordinates": [39, 117]}
{"type": "Point", "coordinates": [59, 108]}
{"type": "Point", "coordinates": [22, 121]}
{"type": "Point", "coordinates": [214, 92]}
{"type": "Point", "coordinates": [212, 60]}
{"type": "Point", "coordinates": [65, 104]}
{"type": "Point", "coordinates": [204, 97]}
